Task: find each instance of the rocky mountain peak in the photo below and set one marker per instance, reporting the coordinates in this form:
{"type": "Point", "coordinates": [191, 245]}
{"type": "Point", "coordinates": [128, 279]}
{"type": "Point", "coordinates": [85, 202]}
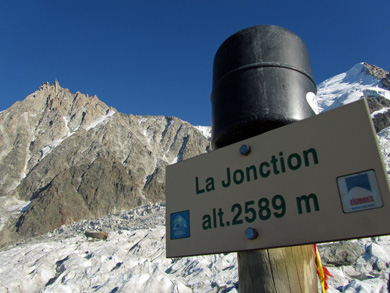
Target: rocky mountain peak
{"type": "Point", "coordinates": [379, 73]}
{"type": "Point", "coordinates": [375, 71]}
{"type": "Point", "coordinates": [73, 157]}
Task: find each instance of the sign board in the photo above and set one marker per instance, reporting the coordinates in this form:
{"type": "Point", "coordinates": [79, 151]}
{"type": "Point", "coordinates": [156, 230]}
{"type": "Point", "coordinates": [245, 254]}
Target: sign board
{"type": "Point", "coordinates": [321, 179]}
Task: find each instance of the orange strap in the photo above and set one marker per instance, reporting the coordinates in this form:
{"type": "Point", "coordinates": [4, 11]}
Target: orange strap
{"type": "Point", "coordinates": [322, 271]}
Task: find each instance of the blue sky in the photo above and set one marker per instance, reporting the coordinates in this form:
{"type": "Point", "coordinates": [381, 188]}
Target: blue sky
{"type": "Point", "coordinates": [155, 57]}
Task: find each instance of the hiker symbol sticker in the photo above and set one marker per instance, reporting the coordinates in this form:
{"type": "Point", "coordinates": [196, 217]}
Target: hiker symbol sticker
{"type": "Point", "coordinates": [180, 225]}
{"type": "Point", "coordinates": [359, 192]}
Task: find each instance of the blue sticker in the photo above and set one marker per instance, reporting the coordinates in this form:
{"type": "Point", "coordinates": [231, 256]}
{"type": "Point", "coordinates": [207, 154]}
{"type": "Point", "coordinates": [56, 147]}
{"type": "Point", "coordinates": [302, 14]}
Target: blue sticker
{"type": "Point", "coordinates": [360, 180]}
{"type": "Point", "coordinates": [180, 225]}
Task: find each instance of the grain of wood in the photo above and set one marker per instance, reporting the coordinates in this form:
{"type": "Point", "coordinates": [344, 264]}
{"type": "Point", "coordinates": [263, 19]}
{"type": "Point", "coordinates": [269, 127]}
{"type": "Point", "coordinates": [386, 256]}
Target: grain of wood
{"type": "Point", "coordinates": [278, 270]}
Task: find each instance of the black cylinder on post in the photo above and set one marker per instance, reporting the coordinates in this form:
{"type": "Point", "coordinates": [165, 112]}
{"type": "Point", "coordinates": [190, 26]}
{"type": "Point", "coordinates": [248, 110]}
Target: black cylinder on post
{"type": "Point", "coordinates": [262, 79]}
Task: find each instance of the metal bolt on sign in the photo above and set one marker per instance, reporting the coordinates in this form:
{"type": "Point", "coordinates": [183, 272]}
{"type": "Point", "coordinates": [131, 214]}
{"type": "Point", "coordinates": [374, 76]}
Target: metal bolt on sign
{"type": "Point", "coordinates": [251, 233]}
{"type": "Point", "coordinates": [245, 150]}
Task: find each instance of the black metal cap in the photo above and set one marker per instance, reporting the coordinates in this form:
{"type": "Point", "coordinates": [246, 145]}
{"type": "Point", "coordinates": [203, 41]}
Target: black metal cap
{"type": "Point", "coordinates": [261, 76]}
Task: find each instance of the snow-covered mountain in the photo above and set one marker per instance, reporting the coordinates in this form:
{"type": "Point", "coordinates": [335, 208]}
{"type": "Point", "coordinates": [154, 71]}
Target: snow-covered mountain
{"type": "Point", "coordinates": [351, 86]}
{"type": "Point", "coordinates": [55, 142]}
{"type": "Point", "coordinates": [362, 81]}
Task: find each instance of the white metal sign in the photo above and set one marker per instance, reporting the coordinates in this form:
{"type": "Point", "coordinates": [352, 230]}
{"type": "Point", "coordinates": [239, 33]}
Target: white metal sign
{"type": "Point", "coordinates": [317, 180]}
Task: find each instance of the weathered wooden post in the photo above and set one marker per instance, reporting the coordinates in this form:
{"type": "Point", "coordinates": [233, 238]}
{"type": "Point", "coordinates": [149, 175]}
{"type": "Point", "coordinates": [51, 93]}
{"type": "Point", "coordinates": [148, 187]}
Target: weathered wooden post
{"type": "Point", "coordinates": [262, 80]}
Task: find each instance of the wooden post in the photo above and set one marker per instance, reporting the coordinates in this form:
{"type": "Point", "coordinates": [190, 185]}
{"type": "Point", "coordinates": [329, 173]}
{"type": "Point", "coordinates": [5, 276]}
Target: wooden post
{"type": "Point", "coordinates": [281, 270]}
{"type": "Point", "coordinates": [262, 80]}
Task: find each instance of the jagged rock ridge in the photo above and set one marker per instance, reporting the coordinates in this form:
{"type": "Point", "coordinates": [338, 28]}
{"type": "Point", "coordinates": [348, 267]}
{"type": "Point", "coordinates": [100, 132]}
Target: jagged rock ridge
{"type": "Point", "coordinates": [379, 73]}
{"type": "Point", "coordinates": [74, 158]}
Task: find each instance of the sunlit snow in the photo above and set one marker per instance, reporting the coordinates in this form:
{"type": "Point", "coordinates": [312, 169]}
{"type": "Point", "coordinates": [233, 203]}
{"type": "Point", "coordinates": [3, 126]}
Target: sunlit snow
{"type": "Point", "coordinates": [345, 88]}
{"type": "Point", "coordinates": [206, 131]}
{"type": "Point", "coordinates": [100, 120]}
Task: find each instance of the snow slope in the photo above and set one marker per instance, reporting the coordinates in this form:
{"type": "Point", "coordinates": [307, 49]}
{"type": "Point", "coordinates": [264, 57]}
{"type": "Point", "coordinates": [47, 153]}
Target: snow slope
{"type": "Point", "coordinates": [351, 86]}
{"type": "Point", "coordinates": [348, 87]}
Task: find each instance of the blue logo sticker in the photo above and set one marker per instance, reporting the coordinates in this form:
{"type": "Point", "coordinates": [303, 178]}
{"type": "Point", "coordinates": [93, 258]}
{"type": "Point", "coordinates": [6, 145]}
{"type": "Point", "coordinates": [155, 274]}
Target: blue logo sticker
{"type": "Point", "coordinates": [360, 180]}
{"type": "Point", "coordinates": [180, 225]}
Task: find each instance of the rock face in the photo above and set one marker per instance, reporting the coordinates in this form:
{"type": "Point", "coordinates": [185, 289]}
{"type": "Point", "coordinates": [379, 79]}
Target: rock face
{"type": "Point", "coordinates": [379, 73]}
{"type": "Point", "coordinates": [74, 158]}
{"type": "Point", "coordinates": [343, 253]}
{"type": "Point", "coordinates": [360, 265]}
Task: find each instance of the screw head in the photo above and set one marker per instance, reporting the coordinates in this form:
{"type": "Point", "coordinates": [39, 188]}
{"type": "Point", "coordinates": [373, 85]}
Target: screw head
{"type": "Point", "coordinates": [245, 150]}
{"type": "Point", "coordinates": [251, 233]}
